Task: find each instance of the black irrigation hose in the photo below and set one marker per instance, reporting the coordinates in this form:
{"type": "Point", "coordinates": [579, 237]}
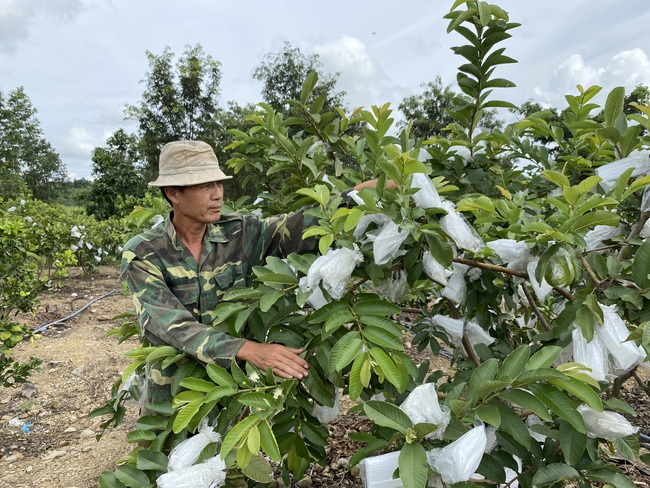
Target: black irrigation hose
{"type": "Point", "coordinates": [44, 326]}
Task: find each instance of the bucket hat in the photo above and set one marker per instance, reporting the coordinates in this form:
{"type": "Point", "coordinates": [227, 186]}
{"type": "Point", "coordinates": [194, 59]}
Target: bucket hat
{"type": "Point", "coordinates": [185, 163]}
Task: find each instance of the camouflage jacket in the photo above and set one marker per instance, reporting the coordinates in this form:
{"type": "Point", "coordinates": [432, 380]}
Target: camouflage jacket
{"type": "Point", "coordinates": [175, 297]}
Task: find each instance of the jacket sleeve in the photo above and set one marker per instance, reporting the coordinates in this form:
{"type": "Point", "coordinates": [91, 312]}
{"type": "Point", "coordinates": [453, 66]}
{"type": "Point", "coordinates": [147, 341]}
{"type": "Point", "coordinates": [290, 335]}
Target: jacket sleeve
{"type": "Point", "coordinates": [165, 320]}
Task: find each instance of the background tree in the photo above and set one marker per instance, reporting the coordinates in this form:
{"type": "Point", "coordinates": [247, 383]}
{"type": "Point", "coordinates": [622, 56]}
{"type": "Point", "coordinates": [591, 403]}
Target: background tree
{"type": "Point", "coordinates": [283, 74]}
{"type": "Point", "coordinates": [117, 176]}
{"type": "Point", "coordinates": [25, 155]}
{"type": "Point", "coordinates": [180, 101]}
{"type": "Point", "coordinates": [428, 112]}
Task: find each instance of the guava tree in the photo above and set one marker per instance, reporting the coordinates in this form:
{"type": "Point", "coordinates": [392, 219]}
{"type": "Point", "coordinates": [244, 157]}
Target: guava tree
{"type": "Point", "coordinates": [518, 272]}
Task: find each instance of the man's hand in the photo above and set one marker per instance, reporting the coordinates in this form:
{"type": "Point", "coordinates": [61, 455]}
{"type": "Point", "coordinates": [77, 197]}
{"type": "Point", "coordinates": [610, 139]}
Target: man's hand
{"type": "Point", "coordinates": [284, 361]}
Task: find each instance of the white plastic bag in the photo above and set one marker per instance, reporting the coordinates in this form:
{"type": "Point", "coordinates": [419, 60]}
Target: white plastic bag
{"type": "Point", "coordinates": [456, 288]}
{"type": "Point", "coordinates": [434, 269]}
{"type": "Point", "coordinates": [591, 354]}
{"type": "Point", "coordinates": [624, 354]}
{"type": "Point", "coordinates": [325, 414]}
{"type": "Point", "coordinates": [639, 160]}
{"type": "Point", "coordinates": [386, 239]}
{"type": "Point", "coordinates": [542, 289]}
{"type": "Point", "coordinates": [595, 238]}
{"type": "Point", "coordinates": [606, 425]}
{"type": "Point", "coordinates": [316, 299]}
{"type": "Point", "coordinates": [458, 228]}
{"type": "Point", "coordinates": [428, 196]}
{"type": "Point", "coordinates": [535, 420]}
{"type": "Point", "coordinates": [421, 405]}
{"type": "Point", "coordinates": [477, 334]}
{"type": "Point", "coordinates": [394, 288]}
{"type": "Point", "coordinates": [514, 254]}
{"type": "Point", "coordinates": [453, 327]}
{"type": "Point", "coordinates": [377, 471]}
{"type": "Point", "coordinates": [460, 459]}
{"type": "Point", "coordinates": [387, 243]}
{"type": "Point", "coordinates": [334, 270]}
{"type": "Point", "coordinates": [209, 474]}
{"type": "Point", "coordinates": [187, 452]}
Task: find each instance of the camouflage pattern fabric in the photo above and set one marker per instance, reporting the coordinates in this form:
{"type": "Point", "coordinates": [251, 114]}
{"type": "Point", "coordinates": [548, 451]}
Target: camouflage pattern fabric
{"type": "Point", "coordinates": [175, 297]}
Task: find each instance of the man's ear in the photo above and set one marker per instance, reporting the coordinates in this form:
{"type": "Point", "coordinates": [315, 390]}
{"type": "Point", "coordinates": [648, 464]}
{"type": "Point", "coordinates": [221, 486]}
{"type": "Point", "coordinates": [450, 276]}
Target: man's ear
{"type": "Point", "coordinates": [172, 193]}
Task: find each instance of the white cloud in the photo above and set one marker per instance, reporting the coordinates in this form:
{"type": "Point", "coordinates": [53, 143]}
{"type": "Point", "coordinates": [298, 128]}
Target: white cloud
{"type": "Point", "coordinates": [79, 143]}
{"type": "Point", "coordinates": [627, 68]}
{"type": "Point", "coordinates": [361, 78]}
{"type": "Point", "coordinates": [17, 15]}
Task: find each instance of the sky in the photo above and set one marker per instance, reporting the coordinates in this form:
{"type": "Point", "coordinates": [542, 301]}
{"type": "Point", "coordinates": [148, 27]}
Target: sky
{"type": "Point", "coordinates": [81, 61]}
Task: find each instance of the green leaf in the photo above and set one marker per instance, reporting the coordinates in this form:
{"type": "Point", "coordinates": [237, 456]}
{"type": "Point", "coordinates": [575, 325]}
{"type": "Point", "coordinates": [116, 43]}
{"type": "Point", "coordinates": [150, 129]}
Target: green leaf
{"type": "Point", "coordinates": [590, 220]}
{"type": "Point", "coordinates": [612, 478]}
{"type": "Point", "coordinates": [588, 183]}
{"type": "Point", "coordinates": [308, 86]}
{"type": "Point", "coordinates": [345, 350]}
{"type": "Point", "coordinates": [220, 376]}
{"type": "Point", "coordinates": [387, 415]}
{"type": "Point", "coordinates": [257, 399]}
{"type": "Point", "coordinates": [525, 399]}
{"type": "Point", "coordinates": [132, 477]}
{"type": "Point", "coordinates": [514, 363]}
{"type": "Point", "coordinates": [226, 309]}
{"type": "Point", "coordinates": [135, 364]}
{"type": "Point", "coordinates": [107, 479]}
{"type": "Point", "coordinates": [560, 404]}
{"type": "Point", "coordinates": [323, 394]}
{"type": "Point", "coordinates": [324, 313]}
{"type": "Point", "coordinates": [236, 434]}
{"type": "Point", "coordinates": [383, 338]}
{"type": "Point", "coordinates": [258, 469]}
{"type": "Point", "coordinates": [151, 422]}
{"type": "Point", "coordinates": [543, 358]}
{"type": "Point", "coordinates": [151, 460]}
{"type": "Point", "coordinates": [383, 323]}
{"type": "Point", "coordinates": [196, 384]}
{"type": "Point", "coordinates": [161, 352]}
{"type": "Point", "coordinates": [219, 392]}
{"type": "Point", "coordinates": [185, 415]}
{"type": "Point", "coordinates": [355, 383]}
{"type": "Point", "coordinates": [336, 320]}
{"type": "Point", "coordinates": [573, 443]}
{"type": "Point", "coordinates": [269, 299]}
{"type": "Point", "coordinates": [484, 13]}
{"type": "Point", "coordinates": [489, 414]}
{"type": "Point", "coordinates": [554, 473]}
{"type": "Point", "coordinates": [580, 390]}
{"type": "Point", "coordinates": [641, 266]}
{"type": "Point", "coordinates": [268, 441]}
{"type": "Point", "coordinates": [277, 278]}
{"type": "Point", "coordinates": [140, 436]}
{"type": "Point", "coordinates": [614, 105]}
{"type": "Point", "coordinates": [413, 467]}
{"type": "Point", "coordinates": [376, 307]}
{"type": "Point", "coordinates": [388, 368]}
{"type": "Point", "coordinates": [486, 371]}
{"type": "Point", "coordinates": [514, 425]}
{"type": "Point", "coordinates": [635, 186]}
{"type": "Point", "coordinates": [558, 178]}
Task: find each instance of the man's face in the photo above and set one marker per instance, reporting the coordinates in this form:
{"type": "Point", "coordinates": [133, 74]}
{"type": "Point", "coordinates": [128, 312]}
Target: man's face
{"type": "Point", "coordinates": [199, 203]}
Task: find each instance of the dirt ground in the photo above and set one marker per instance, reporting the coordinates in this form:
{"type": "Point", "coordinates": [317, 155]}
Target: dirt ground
{"type": "Point", "coordinates": [46, 438]}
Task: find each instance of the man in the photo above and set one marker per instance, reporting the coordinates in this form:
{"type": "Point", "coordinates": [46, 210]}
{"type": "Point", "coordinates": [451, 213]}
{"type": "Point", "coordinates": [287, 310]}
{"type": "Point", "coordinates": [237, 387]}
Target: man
{"type": "Point", "coordinates": [179, 270]}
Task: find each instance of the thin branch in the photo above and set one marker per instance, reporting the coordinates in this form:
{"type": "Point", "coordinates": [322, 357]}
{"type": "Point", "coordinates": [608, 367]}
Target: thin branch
{"type": "Point", "coordinates": [510, 271]}
{"type": "Point", "coordinates": [590, 271]}
{"type": "Point", "coordinates": [535, 308]}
